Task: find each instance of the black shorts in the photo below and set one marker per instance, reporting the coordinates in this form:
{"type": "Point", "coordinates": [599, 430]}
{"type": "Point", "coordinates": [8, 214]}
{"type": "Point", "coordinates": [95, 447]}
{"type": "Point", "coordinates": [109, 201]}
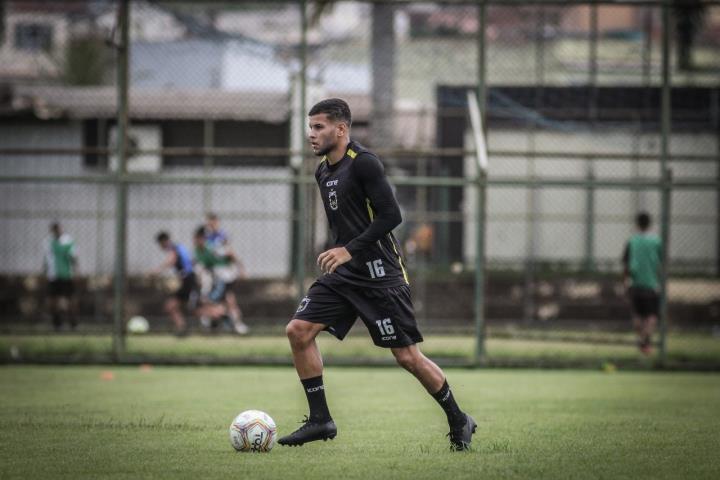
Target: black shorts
{"type": "Point", "coordinates": [645, 301]}
{"type": "Point", "coordinates": [187, 289]}
{"type": "Point", "coordinates": [61, 288]}
{"type": "Point", "coordinates": [387, 312]}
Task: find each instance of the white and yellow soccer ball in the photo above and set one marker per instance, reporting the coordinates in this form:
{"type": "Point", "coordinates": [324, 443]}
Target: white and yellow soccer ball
{"type": "Point", "coordinates": [253, 431]}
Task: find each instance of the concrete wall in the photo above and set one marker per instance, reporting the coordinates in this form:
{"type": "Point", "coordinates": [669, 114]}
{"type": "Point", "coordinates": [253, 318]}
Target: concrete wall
{"type": "Point", "coordinates": [558, 232]}
{"type": "Point", "coordinates": [256, 217]}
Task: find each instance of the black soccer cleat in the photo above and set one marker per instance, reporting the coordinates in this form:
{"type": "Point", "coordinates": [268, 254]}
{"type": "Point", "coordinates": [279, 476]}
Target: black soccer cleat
{"type": "Point", "coordinates": [310, 432]}
{"type": "Point", "coordinates": [461, 436]}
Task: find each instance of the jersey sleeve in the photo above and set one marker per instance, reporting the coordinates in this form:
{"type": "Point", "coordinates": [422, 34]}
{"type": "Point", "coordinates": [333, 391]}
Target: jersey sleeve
{"type": "Point", "coordinates": [385, 210]}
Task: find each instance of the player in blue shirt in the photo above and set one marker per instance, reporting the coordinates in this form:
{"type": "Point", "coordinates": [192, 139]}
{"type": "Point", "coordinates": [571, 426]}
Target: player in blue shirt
{"type": "Point", "coordinates": [178, 257]}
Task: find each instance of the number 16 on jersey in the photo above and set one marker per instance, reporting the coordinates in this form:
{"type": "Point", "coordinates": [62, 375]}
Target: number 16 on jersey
{"type": "Point", "coordinates": [376, 268]}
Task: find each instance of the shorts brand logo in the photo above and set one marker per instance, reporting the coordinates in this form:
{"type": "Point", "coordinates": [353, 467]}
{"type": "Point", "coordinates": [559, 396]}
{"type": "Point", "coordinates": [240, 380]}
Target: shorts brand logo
{"type": "Point", "coordinates": [303, 304]}
{"type": "Point", "coordinates": [331, 183]}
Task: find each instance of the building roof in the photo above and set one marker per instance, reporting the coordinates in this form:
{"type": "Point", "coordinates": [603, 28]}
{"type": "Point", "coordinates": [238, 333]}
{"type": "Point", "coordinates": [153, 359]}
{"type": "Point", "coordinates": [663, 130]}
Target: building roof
{"type": "Point", "coordinates": [164, 104]}
{"type": "Point", "coordinates": [101, 102]}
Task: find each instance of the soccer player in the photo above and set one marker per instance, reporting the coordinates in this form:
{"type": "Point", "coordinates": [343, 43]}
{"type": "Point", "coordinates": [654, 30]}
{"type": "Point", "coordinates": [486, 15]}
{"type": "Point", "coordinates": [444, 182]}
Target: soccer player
{"type": "Point", "coordinates": [364, 277]}
{"type": "Point", "coordinates": [224, 271]}
{"type": "Point", "coordinates": [59, 264]}
{"type": "Point", "coordinates": [178, 257]}
{"type": "Point", "coordinates": [642, 262]}
{"type": "Point", "coordinates": [215, 236]}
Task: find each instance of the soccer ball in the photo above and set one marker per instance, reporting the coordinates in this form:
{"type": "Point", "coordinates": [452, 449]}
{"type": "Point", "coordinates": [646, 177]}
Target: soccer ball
{"type": "Point", "coordinates": [253, 431]}
{"type": "Point", "coordinates": [138, 324]}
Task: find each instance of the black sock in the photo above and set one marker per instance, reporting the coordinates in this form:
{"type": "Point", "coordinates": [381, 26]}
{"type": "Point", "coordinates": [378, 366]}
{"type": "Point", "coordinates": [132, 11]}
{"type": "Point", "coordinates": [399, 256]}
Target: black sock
{"type": "Point", "coordinates": [446, 400]}
{"type": "Point", "coordinates": [315, 392]}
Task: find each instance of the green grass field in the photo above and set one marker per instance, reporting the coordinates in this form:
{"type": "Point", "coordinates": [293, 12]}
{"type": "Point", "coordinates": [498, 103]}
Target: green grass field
{"type": "Point", "coordinates": [556, 349]}
{"type": "Point", "coordinates": [172, 422]}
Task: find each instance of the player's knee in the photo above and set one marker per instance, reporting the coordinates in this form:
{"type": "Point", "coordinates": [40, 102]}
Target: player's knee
{"type": "Point", "coordinates": [406, 359]}
{"type": "Point", "coordinates": [296, 332]}
{"type": "Point", "coordinates": [170, 305]}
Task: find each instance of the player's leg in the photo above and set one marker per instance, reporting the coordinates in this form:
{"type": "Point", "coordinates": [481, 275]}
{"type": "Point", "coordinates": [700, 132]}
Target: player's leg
{"type": "Point", "coordinates": [321, 309]}
{"type": "Point", "coordinates": [319, 425]}
{"type": "Point", "coordinates": [638, 328]}
{"type": "Point", "coordinates": [234, 311]}
{"type": "Point", "coordinates": [211, 310]}
{"type": "Point", "coordinates": [646, 331]}
{"type": "Point", "coordinates": [305, 352]}
{"type": "Point", "coordinates": [389, 316]}
{"type": "Point", "coordinates": [54, 311]}
{"type": "Point", "coordinates": [462, 426]}
{"type": "Point", "coordinates": [174, 310]}
{"type": "Point", "coordinates": [72, 305]}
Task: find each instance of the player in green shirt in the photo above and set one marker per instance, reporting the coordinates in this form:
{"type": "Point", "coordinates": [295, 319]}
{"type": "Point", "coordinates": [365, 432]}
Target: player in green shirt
{"type": "Point", "coordinates": [59, 264]}
{"type": "Point", "coordinates": [642, 261]}
{"type": "Point", "coordinates": [223, 267]}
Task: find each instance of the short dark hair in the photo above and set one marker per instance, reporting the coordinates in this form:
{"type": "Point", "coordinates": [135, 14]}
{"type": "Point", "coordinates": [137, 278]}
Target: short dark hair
{"type": "Point", "coordinates": [643, 220]}
{"type": "Point", "coordinates": [162, 236]}
{"type": "Point", "coordinates": [336, 110]}
{"type": "Point", "coordinates": [211, 216]}
{"type": "Point", "coordinates": [200, 231]}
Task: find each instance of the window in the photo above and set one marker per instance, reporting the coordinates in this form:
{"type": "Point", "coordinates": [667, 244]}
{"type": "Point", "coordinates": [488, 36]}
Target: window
{"type": "Point", "coordinates": [33, 36]}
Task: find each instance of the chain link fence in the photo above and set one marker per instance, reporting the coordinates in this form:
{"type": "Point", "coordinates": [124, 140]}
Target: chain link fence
{"type": "Point", "coordinates": [572, 96]}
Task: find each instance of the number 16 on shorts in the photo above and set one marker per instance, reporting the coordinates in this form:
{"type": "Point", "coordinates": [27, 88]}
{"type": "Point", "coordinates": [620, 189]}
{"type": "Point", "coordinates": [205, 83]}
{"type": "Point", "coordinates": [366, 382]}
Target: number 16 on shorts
{"type": "Point", "coordinates": [386, 328]}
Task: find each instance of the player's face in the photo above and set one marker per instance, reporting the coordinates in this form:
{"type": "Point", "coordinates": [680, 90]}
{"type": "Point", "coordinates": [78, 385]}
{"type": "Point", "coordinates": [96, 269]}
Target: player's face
{"type": "Point", "coordinates": [324, 134]}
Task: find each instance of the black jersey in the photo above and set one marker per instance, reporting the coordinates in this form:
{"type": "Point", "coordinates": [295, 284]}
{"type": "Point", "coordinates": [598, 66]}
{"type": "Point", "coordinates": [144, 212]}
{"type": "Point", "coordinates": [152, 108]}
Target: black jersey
{"type": "Point", "coordinates": [362, 211]}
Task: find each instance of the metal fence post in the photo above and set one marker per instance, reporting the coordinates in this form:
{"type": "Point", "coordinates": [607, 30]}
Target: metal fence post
{"type": "Point", "coordinates": [666, 125]}
{"type": "Point", "coordinates": [590, 218]}
{"type": "Point", "coordinates": [118, 344]}
{"type": "Point", "coordinates": [300, 171]}
{"type": "Point", "coordinates": [481, 203]}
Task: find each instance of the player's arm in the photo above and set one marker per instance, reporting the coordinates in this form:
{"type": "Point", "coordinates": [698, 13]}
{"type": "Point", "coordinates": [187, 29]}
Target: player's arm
{"type": "Point", "coordinates": [386, 213]}
{"type": "Point", "coordinates": [626, 265]}
{"type": "Point", "coordinates": [169, 261]}
{"type": "Point", "coordinates": [73, 256]}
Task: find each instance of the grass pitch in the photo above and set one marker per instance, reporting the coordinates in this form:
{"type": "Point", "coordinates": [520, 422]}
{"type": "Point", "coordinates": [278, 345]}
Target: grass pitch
{"type": "Point", "coordinates": [170, 422]}
{"type": "Point", "coordinates": [549, 349]}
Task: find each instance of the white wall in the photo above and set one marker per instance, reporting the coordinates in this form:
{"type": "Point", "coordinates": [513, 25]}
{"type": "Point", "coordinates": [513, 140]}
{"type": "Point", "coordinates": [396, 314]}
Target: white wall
{"type": "Point", "coordinates": [559, 230]}
{"type": "Point", "coordinates": [257, 217]}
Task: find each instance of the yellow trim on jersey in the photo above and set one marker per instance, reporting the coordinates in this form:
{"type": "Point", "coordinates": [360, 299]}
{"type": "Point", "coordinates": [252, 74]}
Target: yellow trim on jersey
{"type": "Point", "coordinates": [324, 159]}
{"type": "Point", "coordinates": [369, 209]}
{"type": "Point", "coordinates": [351, 153]}
{"type": "Point", "coordinates": [400, 261]}
{"type": "Point", "coordinates": [405, 275]}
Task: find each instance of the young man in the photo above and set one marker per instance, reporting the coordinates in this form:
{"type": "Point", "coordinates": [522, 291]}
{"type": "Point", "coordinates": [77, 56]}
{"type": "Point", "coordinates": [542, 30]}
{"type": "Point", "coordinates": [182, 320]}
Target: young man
{"type": "Point", "coordinates": [642, 261]}
{"type": "Point", "coordinates": [215, 236]}
{"type": "Point", "coordinates": [59, 264]}
{"type": "Point", "coordinates": [178, 258]}
{"type": "Point", "coordinates": [363, 276]}
{"type": "Point", "coordinates": [223, 270]}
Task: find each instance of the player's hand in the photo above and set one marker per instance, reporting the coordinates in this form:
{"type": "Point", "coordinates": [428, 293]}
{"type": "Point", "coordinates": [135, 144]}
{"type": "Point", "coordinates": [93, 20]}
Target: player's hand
{"type": "Point", "coordinates": [333, 258]}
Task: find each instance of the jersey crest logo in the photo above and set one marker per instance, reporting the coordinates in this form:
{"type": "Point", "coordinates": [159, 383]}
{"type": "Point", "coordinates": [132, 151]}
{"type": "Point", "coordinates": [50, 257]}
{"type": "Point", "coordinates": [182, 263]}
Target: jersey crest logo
{"type": "Point", "coordinates": [303, 304]}
{"type": "Point", "coordinates": [332, 197]}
